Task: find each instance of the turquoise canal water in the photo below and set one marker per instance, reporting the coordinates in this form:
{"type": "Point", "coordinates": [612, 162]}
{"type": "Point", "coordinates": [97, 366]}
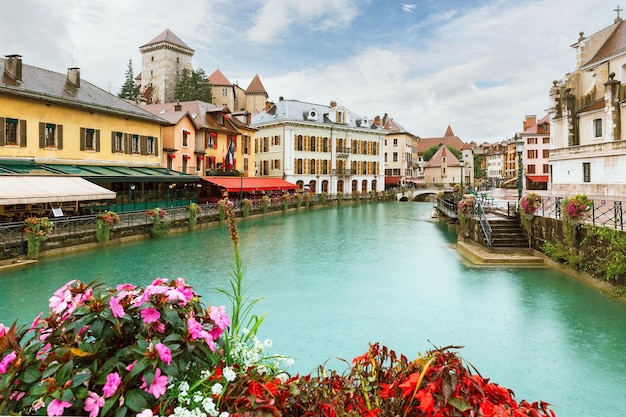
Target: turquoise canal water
{"type": "Point", "coordinates": [334, 280]}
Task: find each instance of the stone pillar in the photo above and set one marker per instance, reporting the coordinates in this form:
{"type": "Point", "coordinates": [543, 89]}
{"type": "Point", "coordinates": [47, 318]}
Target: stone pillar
{"type": "Point", "coordinates": [611, 109]}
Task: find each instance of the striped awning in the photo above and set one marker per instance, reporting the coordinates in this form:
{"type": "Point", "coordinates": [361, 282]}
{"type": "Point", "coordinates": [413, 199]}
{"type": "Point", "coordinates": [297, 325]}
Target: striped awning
{"type": "Point", "coordinates": [31, 189]}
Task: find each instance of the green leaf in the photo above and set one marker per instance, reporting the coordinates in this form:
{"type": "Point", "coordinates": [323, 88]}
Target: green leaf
{"type": "Point", "coordinates": [97, 328]}
{"type": "Point", "coordinates": [64, 374]}
{"type": "Point", "coordinates": [460, 404]}
{"type": "Point", "coordinates": [135, 400]}
{"type": "Point", "coordinates": [37, 390]}
{"type": "Point", "coordinates": [50, 370]}
{"type": "Point", "coordinates": [173, 337]}
{"type": "Point", "coordinates": [81, 377]}
{"type": "Point", "coordinates": [139, 367]}
{"type": "Point", "coordinates": [30, 375]}
{"type": "Point", "coordinates": [121, 412]}
{"type": "Point", "coordinates": [109, 403]}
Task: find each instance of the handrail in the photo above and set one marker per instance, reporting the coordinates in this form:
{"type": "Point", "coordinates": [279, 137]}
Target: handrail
{"type": "Point", "coordinates": [484, 223]}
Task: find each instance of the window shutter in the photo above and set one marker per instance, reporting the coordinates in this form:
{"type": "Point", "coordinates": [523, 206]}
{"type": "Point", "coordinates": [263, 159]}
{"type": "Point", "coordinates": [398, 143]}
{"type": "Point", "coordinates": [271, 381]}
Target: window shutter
{"type": "Point", "coordinates": [143, 145]}
{"type": "Point", "coordinates": [156, 146]}
{"type": "Point", "coordinates": [2, 130]}
{"type": "Point", "coordinates": [59, 136]}
{"type": "Point", "coordinates": [126, 143]}
{"type": "Point", "coordinates": [82, 138]}
{"type": "Point", "coordinates": [42, 135]}
{"type": "Point", "coordinates": [23, 133]}
{"type": "Point", "coordinates": [97, 140]}
{"type": "Point", "coordinates": [112, 142]}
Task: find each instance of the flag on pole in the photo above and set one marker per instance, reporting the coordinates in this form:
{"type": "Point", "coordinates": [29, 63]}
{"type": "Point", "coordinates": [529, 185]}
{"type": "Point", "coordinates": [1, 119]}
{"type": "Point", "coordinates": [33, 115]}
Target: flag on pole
{"type": "Point", "coordinates": [231, 153]}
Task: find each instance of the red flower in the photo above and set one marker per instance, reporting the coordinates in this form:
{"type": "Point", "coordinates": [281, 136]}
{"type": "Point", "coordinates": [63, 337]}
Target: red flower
{"type": "Point", "coordinates": [427, 402]}
{"type": "Point", "coordinates": [409, 384]}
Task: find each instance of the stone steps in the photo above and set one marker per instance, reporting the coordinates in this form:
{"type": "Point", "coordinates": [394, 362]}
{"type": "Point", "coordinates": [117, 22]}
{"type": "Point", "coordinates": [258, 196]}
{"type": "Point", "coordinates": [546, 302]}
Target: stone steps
{"type": "Point", "coordinates": [507, 233]}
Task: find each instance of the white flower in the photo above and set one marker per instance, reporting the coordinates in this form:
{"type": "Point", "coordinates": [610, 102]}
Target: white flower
{"type": "Point", "coordinates": [183, 387]}
{"type": "Point", "coordinates": [229, 374]}
{"type": "Point", "coordinates": [224, 414]}
{"type": "Point", "coordinates": [145, 413]}
{"type": "Point", "coordinates": [205, 373]}
{"type": "Point", "coordinates": [217, 389]}
{"type": "Point", "coordinates": [268, 343]}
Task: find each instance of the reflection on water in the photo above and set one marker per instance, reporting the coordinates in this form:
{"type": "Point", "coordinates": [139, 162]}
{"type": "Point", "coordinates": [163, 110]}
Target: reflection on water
{"type": "Point", "coordinates": [334, 280]}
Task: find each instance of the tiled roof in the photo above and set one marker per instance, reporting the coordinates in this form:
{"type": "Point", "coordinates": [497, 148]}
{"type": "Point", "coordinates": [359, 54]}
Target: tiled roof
{"type": "Point", "coordinates": [614, 45]}
{"type": "Point", "coordinates": [597, 105]}
{"type": "Point", "coordinates": [300, 111]}
{"type": "Point", "coordinates": [50, 86]}
{"type": "Point", "coordinates": [256, 86]}
{"type": "Point", "coordinates": [167, 36]}
{"type": "Point", "coordinates": [217, 78]}
{"type": "Point", "coordinates": [436, 160]}
{"type": "Point", "coordinates": [448, 139]}
{"type": "Point", "coordinates": [199, 111]}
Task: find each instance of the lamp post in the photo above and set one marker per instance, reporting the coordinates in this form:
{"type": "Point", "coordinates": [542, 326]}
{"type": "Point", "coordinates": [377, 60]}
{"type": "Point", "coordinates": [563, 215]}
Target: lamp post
{"type": "Point", "coordinates": [461, 161]}
{"type": "Point", "coordinates": [132, 191]}
{"type": "Point", "coordinates": [519, 147]}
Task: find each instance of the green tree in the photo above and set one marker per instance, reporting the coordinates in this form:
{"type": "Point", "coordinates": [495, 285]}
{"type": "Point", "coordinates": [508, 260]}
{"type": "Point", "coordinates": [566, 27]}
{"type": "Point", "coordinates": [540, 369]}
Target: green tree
{"type": "Point", "coordinates": [192, 85]}
{"type": "Point", "coordinates": [479, 171]}
{"type": "Point", "coordinates": [428, 153]}
{"type": "Point", "coordinates": [129, 90]}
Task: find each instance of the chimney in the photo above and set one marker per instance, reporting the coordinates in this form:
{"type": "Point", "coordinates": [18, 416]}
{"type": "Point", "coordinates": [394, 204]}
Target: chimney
{"type": "Point", "coordinates": [178, 107]}
{"type": "Point", "coordinates": [13, 66]}
{"type": "Point", "coordinates": [377, 120]}
{"type": "Point", "coordinates": [73, 76]}
{"type": "Point", "coordinates": [333, 104]}
{"type": "Point", "coordinates": [385, 117]}
{"type": "Point", "coordinates": [268, 105]}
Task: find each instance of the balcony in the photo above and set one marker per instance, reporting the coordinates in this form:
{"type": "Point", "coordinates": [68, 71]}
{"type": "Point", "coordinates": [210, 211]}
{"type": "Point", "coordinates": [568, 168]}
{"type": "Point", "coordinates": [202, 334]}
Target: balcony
{"type": "Point", "coordinates": [342, 172]}
{"type": "Point", "coordinates": [343, 152]}
{"type": "Point", "coordinates": [603, 148]}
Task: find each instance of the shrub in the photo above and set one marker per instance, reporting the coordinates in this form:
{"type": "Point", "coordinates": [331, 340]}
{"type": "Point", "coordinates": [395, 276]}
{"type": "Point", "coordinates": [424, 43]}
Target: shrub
{"type": "Point", "coordinates": [37, 230]}
{"type": "Point", "coordinates": [193, 211]}
{"type": "Point", "coordinates": [159, 223]}
{"type": "Point", "coordinates": [245, 207]}
{"type": "Point", "coordinates": [265, 202]}
{"type": "Point", "coordinates": [529, 205]}
{"type": "Point", "coordinates": [573, 209]}
{"type": "Point", "coordinates": [104, 224]}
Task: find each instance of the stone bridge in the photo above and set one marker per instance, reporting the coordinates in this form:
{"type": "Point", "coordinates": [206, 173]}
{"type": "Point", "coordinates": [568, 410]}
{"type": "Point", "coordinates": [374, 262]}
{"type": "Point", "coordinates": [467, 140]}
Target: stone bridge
{"type": "Point", "coordinates": [418, 194]}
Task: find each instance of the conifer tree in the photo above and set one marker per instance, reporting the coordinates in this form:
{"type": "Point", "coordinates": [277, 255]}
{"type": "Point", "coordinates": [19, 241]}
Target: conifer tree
{"type": "Point", "coordinates": [129, 90]}
{"type": "Point", "coordinates": [192, 85]}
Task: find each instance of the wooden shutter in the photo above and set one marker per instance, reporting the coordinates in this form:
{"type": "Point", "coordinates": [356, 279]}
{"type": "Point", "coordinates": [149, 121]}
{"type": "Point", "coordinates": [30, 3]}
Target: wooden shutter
{"type": "Point", "coordinates": [23, 133]}
{"type": "Point", "coordinates": [2, 130]}
{"type": "Point", "coordinates": [83, 138]}
{"type": "Point", "coordinates": [59, 136]}
{"type": "Point", "coordinates": [112, 142]}
{"type": "Point", "coordinates": [42, 135]}
{"type": "Point", "coordinates": [97, 140]}
{"type": "Point", "coordinates": [143, 145]}
{"type": "Point", "coordinates": [126, 143]}
{"type": "Point", "coordinates": [156, 146]}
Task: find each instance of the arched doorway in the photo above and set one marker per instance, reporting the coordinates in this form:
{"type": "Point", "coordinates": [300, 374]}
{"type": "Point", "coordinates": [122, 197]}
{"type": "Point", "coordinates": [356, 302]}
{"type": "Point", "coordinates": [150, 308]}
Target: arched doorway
{"type": "Point", "coordinates": [340, 186]}
{"type": "Point", "coordinates": [313, 186]}
{"type": "Point", "coordinates": [364, 187]}
{"type": "Point", "coordinates": [355, 186]}
{"type": "Point", "coordinates": [325, 186]}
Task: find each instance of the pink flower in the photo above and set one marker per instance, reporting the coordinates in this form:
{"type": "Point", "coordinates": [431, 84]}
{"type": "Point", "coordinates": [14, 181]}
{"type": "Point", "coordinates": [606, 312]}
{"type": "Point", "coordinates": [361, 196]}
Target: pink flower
{"type": "Point", "coordinates": [158, 385]}
{"type": "Point", "coordinates": [116, 308]}
{"type": "Point", "coordinates": [130, 366]}
{"type": "Point", "coordinates": [111, 385]}
{"type": "Point", "coordinates": [56, 407]}
{"type": "Point", "coordinates": [93, 403]}
{"type": "Point", "coordinates": [159, 281]}
{"type": "Point", "coordinates": [4, 329]}
{"type": "Point", "coordinates": [34, 324]}
{"type": "Point", "coordinates": [158, 327]}
{"type": "Point", "coordinates": [219, 316]}
{"type": "Point", "coordinates": [145, 413]}
{"type": "Point", "coordinates": [150, 315]}
{"type": "Point", "coordinates": [60, 300]}
{"type": "Point", "coordinates": [6, 361]}
{"type": "Point", "coordinates": [43, 353]}
{"type": "Point", "coordinates": [164, 353]}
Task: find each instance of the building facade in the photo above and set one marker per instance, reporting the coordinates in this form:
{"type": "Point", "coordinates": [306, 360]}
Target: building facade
{"type": "Point", "coordinates": [325, 149]}
{"type": "Point", "coordinates": [587, 118]}
{"type": "Point", "coordinates": [536, 138]}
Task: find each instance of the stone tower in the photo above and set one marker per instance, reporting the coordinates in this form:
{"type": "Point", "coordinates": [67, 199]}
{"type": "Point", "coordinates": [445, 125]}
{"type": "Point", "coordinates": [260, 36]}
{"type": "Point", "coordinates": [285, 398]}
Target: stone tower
{"type": "Point", "coordinates": [161, 60]}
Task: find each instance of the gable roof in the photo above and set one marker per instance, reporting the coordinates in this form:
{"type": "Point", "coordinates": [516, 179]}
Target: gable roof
{"type": "Point", "coordinates": [217, 78]}
{"type": "Point", "coordinates": [437, 159]}
{"type": "Point", "coordinates": [167, 36]}
{"type": "Point", "coordinates": [53, 87]}
{"type": "Point", "coordinates": [614, 45]}
{"type": "Point", "coordinates": [449, 138]}
{"type": "Point", "coordinates": [256, 86]}
{"type": "Point", "coordinates": [199, 111]}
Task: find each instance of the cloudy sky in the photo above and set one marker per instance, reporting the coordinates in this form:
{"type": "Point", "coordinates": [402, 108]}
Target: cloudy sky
{"type": "Point", "coordinates": [478, 65]}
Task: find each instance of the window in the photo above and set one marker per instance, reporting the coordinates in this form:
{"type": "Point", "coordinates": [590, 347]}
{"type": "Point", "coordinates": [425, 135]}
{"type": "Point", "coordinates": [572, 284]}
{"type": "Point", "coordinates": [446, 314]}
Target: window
{"type": "Point", "coordinates": [395, 157]}
{"type": "Point", "coordinates": [532, 153]}
{"type": "Point", "coordinates": [530, 169]}
{"type": "Point", "coordinates": [546, 168]}
{"type": "Point", "coordinates": [313, 143]}
{"type": "Point", "coordinates": [134, 144]}
{"type": "Point", "coordinates": [185, 137]}
{"type": "Point", "coordinates": [89, 139]}
{"type": "Point", "coordinates": [118, 142]}
{"type": "Point", "coordinates": [385, 156]}
{"type": "Point", "coordinates": [50, 135]}
{"type": "Point", "coordinates": [198, 163]}
{"type": "Point", "coordinates": [546, 140]}
{"type": "Point", "coordinates": [12, 132]}
{"type": "Point", "coordinates": [597, 128]}
{"type": "Point", "coordinates": [224, 92]}
{"type": "Point", "coordinates": [586, 172]}
{"type": "Point", "coordinates": [246, 144]}
{"type": "Point", "coordinates": [300, 144]}
{"type": "Point", "coordinates": [546, 153]}
{"type": "Point", "coordinates": [395, 142]}
{"type": "Point", "coordinates": [150, 148]}
{"type": "Point", "coordinates": [531, 141]}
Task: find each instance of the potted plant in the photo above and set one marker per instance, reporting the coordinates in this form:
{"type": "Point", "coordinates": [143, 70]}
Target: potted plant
{"type": "Point", "coordinates": [529, 205]}
{"type": "Point", "coordinates": [193, 210]}
{"type": "Point", "coordinates": [37, 230]}
{"type": "Point", "coordinates": [104, 224]}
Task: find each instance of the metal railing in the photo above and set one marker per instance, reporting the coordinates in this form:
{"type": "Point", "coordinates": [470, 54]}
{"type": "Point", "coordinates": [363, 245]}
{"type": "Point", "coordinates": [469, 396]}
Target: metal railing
{"type": "Point", "coordinates": [604, 213]}
{"type": "Point", "coordinates": [484, 223]}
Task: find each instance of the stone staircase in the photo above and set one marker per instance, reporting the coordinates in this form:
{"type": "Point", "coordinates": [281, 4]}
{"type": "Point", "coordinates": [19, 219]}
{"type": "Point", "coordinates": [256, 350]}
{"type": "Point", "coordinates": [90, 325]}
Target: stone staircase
{"type": "Point", "coordinates": [507, 233]}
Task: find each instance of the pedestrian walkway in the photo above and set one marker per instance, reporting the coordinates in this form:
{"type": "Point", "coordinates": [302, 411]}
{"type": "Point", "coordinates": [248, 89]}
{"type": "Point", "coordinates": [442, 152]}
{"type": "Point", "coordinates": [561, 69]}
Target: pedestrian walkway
{"type": "Point", "coordinates": [479, 255]}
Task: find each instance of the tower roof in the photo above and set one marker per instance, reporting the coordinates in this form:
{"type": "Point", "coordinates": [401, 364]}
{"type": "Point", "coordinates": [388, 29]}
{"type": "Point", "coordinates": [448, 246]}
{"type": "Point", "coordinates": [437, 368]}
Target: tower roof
{"type": "Point", "coordinates": [217, 78]}
{"type": "Point", "coordinates": [167, 36]}
{"type": "Point", "coordinates": [256, 86]}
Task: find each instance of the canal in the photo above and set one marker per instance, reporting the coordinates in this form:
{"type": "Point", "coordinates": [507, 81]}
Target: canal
{"type": "Point", "coordinates": [334, 280]}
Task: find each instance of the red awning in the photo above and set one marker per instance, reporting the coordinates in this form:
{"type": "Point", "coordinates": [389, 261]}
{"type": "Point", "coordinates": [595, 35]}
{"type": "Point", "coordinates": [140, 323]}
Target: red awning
{"type": "Point", "coordinates": [538, 178]}
{"type": "Point", "coordinates": [249, 184]}
{"type": "Point", "coordinates": [392, 180]}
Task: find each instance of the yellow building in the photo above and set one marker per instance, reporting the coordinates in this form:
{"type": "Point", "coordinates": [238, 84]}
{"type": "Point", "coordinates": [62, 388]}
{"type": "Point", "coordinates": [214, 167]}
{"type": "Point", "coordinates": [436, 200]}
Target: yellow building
{"type": "Point", "coordinates": [57, 124]}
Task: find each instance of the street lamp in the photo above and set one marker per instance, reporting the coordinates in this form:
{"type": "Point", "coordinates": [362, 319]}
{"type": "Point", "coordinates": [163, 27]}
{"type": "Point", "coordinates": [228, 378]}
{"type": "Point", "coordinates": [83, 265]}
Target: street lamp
{"type": "Point", "coordinates": [461, 161]}
{"type": "Point", "coordinates": [519, 147]}
{"type": "Point", "coordinates": [132, 191]}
